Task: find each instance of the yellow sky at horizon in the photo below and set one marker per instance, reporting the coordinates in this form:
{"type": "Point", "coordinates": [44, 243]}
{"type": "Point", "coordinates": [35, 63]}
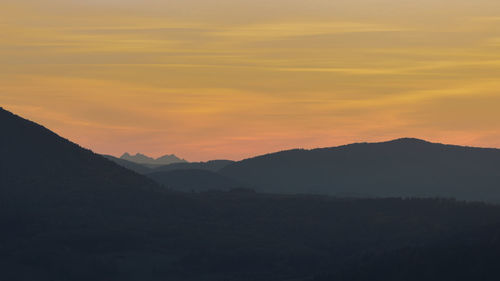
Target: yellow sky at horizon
{"type": "Point", "coordinates": [233, 79]}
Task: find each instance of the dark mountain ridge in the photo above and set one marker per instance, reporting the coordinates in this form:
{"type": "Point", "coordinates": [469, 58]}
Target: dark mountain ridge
{"type": "Point", "coordinates": [138, 168]}
{"type": "Point", "coordinates": [213, 165]}
{"type": "Point", "coordinates": [187, 177]}
{"type": "Point", "coordinates": [399, 168]}
{"type": "Point", "coordinates": [68, 214]}
{"type": "Point", "coordinates": [193, 180]}
{"type": "Point", "coordinates": [33, 154]}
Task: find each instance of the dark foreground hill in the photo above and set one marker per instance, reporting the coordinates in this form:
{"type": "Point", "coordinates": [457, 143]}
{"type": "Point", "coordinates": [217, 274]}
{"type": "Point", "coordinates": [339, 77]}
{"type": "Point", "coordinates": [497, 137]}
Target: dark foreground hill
{"type": "Point", "coordinates": [469, 255]}
{"type": "Point", "coordinates": [399, 168]}
{"type": "Point", "coordinates": [73, 215]}
{"type": "Point", "coordinates": [33, 155]}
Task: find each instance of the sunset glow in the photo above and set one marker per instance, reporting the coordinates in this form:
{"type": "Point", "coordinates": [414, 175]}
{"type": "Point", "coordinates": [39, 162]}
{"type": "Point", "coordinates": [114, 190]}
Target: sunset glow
{"type": "Point", "coordinates": [232, 78]}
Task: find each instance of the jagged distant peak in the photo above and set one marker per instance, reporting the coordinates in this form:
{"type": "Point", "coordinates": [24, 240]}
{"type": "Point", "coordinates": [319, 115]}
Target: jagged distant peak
{"type": "Point", "coordinates": [144, 159]}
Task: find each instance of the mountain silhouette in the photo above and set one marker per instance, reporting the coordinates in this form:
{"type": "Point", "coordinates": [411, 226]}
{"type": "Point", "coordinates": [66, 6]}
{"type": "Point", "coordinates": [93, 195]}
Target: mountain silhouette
{"type": "Point", "coordinates": [138, 168]}
{"type": "Point", "coordinates": [194, 180]}
{"type": "Point", "coordinates": [197, 176]}
{"type": "Point", "coordinates": [143, 159]}
{"type": "Point", "coordinates": [67, 214]}
{"type": "Point", "coordinates": [213, 165]}
{"type": "Point", "coordinates": [33, 155]}
{"type": "Point", "coordinates": [400, 168]}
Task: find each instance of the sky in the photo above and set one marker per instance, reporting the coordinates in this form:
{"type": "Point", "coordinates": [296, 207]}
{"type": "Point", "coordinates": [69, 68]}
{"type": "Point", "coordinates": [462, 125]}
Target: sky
{"type": "Point", "coordinates": [230, 79]}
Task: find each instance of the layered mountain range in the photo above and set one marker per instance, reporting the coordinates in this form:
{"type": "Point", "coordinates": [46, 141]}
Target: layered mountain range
{"type": "Point", "coordinates": [68, 214]}
{"type": "Point", "coordinates": [404, 167]}
{"type": "Point", "coordinates": [144, 159]}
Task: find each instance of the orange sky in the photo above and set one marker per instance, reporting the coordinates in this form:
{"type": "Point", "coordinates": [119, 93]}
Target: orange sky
{"type": "Point", "coordinates": [235, 78]}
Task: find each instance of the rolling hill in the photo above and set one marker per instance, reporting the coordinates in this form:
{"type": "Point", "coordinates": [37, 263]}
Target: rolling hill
{"type": "Point", "coordinates": [399, 168]}
{"type": "Point", "coordinates": [213, 166]}
{"type": "Point", "coordinates": [33, 155]}
{"type": "Point", "coordinates": [68, 214]}
{"type": "Point", "coordinates": [192, 180]}
{"type": "Point", "coordinates": [196, 176]}
{"type": "Point", "coordinates": [138, 168]}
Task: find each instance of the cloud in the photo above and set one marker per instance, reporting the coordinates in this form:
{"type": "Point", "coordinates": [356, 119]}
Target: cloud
{"type": "Point", "coordinates": [296, 29]}
{"type": "Point", "coordinates": [245, 77]}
